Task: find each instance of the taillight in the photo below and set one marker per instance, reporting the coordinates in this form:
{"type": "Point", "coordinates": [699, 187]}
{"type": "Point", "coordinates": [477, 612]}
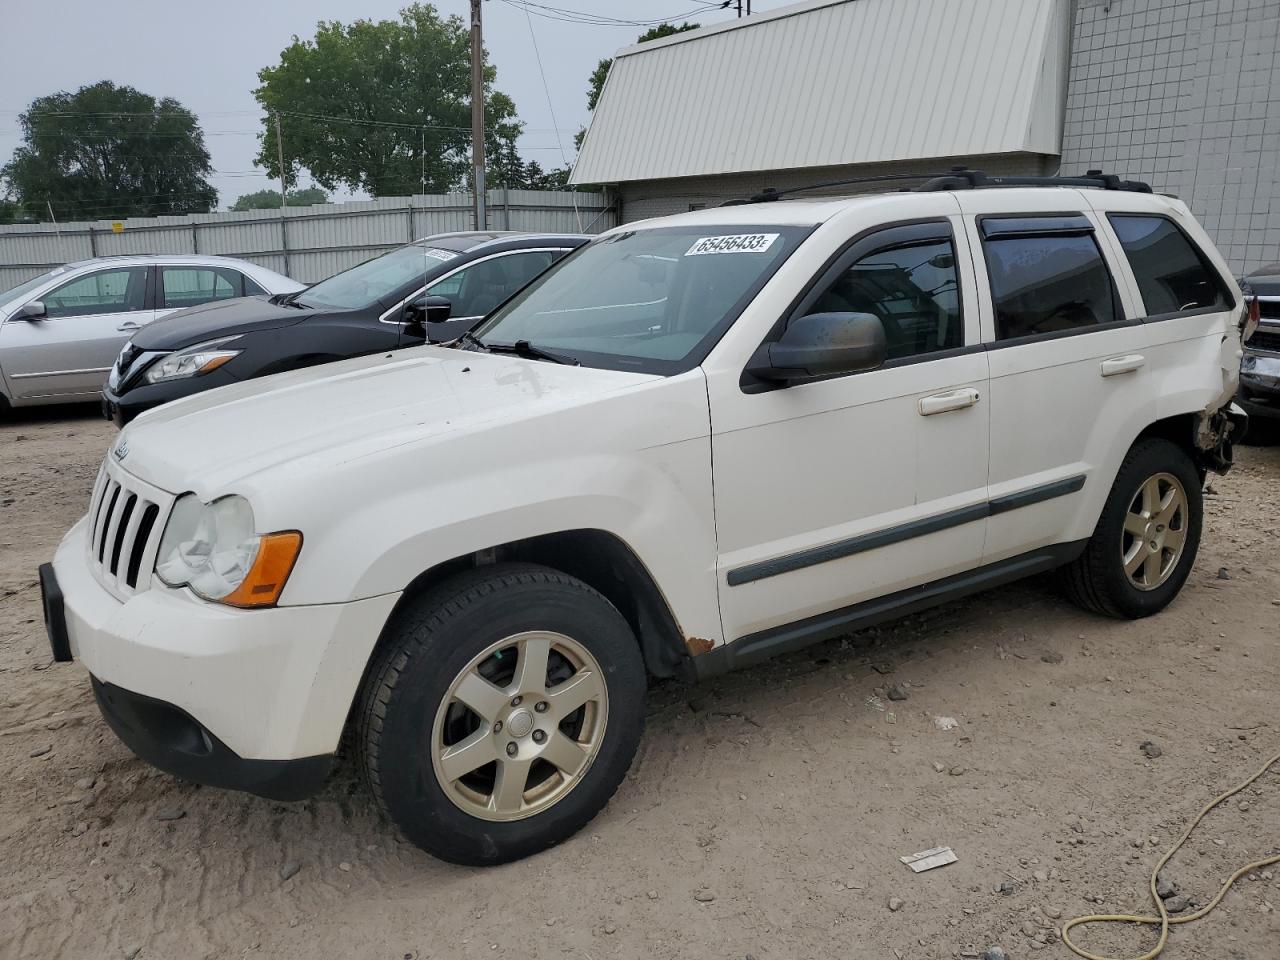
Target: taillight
{"type": "Point", "coordinates": [1252, 317]}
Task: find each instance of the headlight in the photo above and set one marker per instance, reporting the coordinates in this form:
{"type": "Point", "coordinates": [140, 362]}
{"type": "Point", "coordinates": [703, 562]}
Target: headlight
{"type": "Point", "coordinates": [213, 549]}
{"type": "Point", "coordinates": [192, 361]}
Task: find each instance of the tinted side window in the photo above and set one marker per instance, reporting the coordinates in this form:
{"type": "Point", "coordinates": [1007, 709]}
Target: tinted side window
{"type": "Point", "coordinates": [251, 289]}
{"type": "Point", "coordinates": [1172, 274]}
{"type": "Point", "coordinates": [1047, 284]}
{"type": "Point", "coordinates": [914, 291]}
{"type": "Point", "coordinates": [107, 291]}
{"type": "Point", "coordinates": [191, 286]}
{"type": "Point", "coordinates": [478, 289]}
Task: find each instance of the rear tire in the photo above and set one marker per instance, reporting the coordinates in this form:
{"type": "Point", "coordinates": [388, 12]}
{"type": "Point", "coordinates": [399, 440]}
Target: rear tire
{"type": "Point", "coordinates": [501, 713]}
{"type": "Point", "coordinates": [1147, 537]}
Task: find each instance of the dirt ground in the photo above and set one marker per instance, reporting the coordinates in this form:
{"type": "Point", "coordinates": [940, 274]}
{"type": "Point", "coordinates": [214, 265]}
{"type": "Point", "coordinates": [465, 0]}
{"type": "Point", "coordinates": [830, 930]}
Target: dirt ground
{"type": "Point", "coordinates": [764, 816]}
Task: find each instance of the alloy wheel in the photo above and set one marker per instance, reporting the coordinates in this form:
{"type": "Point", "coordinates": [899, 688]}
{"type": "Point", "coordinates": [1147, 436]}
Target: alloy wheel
{"type": "Point", "coordinates": [520, 726]}
{"type": "Point", "coordinates": [1155, 530]}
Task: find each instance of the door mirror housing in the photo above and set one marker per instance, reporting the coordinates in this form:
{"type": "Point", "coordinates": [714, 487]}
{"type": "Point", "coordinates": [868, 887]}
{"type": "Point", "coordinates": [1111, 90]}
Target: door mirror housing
{"type": "Point", "coordinates": [822, 345]}
{"type": "Point", "coordinates": [428, 309]}
{"type": "Point", "coordinates": [32, 311]}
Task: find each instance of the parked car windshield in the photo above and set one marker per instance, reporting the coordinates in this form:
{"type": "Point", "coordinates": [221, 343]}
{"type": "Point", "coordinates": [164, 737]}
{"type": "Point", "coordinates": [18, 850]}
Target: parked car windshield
{"type": "Point", "coordinates": [374, 280]}
{"type": "Point", "coordinates": [654, 300]}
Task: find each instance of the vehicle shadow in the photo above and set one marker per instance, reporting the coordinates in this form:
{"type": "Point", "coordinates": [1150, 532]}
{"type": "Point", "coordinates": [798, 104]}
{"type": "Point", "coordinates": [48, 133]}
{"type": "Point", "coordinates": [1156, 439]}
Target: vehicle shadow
{"type": "Point", "coordinates": [53, 413]}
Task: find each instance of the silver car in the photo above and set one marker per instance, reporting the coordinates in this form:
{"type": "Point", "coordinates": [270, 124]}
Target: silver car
{"type": "Point", "coordinates": [61, 331]}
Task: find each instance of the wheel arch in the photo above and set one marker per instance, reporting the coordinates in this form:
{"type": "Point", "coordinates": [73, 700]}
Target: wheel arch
{"type": "Point", "coordinates": [602, 561]}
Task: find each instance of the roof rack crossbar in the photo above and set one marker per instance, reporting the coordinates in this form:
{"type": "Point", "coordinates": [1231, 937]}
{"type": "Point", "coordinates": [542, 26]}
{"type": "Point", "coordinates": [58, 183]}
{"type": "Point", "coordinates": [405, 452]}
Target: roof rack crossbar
{"type": "Point", "coordinates": [958, 178]}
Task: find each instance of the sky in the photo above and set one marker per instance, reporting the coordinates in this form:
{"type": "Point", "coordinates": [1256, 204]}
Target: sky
{"type": "Point", "coordinates": [207, 56]}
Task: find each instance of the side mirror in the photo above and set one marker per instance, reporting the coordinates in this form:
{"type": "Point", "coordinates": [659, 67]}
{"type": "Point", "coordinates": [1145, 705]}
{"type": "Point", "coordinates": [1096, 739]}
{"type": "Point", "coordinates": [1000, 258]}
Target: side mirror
{"type": "Point", "coordinates": [31, 311]}
{"type": "Point", "coordinates": [428, 309]}
{"type": "Point", "coordinates": [822, 345]}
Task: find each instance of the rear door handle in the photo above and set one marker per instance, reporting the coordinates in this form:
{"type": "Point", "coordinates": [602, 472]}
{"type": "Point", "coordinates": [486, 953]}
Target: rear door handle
{"type": "Point", "coordinates": [1118, 365]}
{"type": "Point", "coordinates": [946, 402]}
{"type": "Point", "coordinates": [128, 326]}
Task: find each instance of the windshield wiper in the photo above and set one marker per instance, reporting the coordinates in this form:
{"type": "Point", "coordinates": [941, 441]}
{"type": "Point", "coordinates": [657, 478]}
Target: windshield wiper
{"type": "Point", "coordinates": [468, 337]}
{"type": "Point", "coordinates": [523, 348]}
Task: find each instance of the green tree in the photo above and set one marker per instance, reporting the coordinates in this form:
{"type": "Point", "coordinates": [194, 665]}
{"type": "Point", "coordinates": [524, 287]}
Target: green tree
{"type": "Point", "coordinates": [595, 83]}
{"type": "Point", "coordinates": [381, 106]}
{"type": "Point", "coordinates": [270, 199]}
{"type": "Point", "coordinates": [108, 151]}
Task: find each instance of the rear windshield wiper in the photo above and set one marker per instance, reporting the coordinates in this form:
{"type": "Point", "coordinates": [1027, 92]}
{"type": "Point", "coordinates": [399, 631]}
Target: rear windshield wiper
{"type": "Point", "coordinates": [523, 348]}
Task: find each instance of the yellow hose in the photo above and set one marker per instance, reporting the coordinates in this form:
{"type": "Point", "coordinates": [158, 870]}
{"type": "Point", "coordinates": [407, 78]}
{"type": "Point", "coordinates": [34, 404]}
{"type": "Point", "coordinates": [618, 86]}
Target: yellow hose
{"type": "Point", "coordinates": [1164, 921]}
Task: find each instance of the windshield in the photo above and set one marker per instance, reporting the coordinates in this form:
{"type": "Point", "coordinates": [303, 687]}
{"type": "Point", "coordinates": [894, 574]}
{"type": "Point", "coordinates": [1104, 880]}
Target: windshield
{"type": "Point", "coordinates": [374, 280]}
{"type": "Point", "coordinates": [22, 289]}
{"type": "Point", "coordinates": [653, 300]}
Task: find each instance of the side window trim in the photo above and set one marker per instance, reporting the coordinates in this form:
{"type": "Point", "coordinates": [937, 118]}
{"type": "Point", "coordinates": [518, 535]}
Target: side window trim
{"type": "Point", "coordinates": [1121, 314]}
{"type": "Point", "coordinates": [1205, 262]}
{"type": "Point", "coordinates": [386, 315]}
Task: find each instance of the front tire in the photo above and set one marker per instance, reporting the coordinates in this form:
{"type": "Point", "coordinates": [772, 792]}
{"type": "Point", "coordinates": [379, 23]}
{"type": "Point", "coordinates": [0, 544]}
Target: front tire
{"type": "Point", "coordinates": [501, 713]}
{"type": "Point", "coordinates": [1147, 537]}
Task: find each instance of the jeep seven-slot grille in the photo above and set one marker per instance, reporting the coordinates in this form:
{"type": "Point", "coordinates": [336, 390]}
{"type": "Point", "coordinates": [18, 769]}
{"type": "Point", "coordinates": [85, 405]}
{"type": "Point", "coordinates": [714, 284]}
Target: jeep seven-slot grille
{"type": "Point", "coordinates": [123, 532]}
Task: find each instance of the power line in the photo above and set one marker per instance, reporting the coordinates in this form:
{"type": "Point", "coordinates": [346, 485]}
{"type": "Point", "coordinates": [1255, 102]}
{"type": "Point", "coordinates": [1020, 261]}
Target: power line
{"type": "Point", "coordinates": [546, 88]}
{"type": "Point", "coordinates": [567, 15]}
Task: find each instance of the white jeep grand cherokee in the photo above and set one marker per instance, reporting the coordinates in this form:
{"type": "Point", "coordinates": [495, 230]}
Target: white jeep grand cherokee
{"type": "Point", "coordinates": [691, 444]}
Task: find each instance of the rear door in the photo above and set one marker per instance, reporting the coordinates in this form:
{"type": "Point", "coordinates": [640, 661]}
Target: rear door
{"type": "Point", "coordinates": [69, 352]}
{"type": "Point", "coordinates": [1070, 381]}
{"type": "Point", "coordinates": [183, 286]}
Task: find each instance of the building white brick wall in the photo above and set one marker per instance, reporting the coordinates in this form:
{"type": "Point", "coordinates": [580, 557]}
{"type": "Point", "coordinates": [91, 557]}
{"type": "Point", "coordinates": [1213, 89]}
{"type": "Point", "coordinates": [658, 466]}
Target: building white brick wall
{"type": "Point", "coordinates": [1186, 95]}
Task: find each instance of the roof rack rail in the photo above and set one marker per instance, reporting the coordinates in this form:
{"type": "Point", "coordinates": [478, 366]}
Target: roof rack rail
{"type": "Point", "coordinates": [957, 178]}
{"type": "Point", "coordinates": [962, 178]}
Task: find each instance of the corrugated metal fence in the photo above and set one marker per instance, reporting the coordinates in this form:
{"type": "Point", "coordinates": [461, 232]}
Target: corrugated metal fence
{"type": "Point", "coordinates": [317, 241]}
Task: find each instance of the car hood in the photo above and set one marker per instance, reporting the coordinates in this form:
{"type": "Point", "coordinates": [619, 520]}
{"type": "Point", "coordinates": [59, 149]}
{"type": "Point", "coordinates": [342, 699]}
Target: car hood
{"type": "Point", "coordinates": [220, 318]}
{"type": "Point", "coordinates": [315, 419]}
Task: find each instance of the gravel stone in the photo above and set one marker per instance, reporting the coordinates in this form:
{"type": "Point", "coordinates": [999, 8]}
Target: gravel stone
{"type": "Point", "coordinates": [704, 896]}
{"type": "Point", "coordinates": [1051, 656]}
{"type": "Point", "coordinates": [290, 869]}
{"type": "Point", "coordinates": [896, 904]}
{"type": "Point", "coordinates": [1053, 913]}
{"type": "Point", "coordinates": [86, 783]}
{"type": "Point", "coordinates": [1165, 887]}
{"type": "Point", "coordinates": [1177, 904]}
{"type": "Point", "coordinates": [40, 751]}
{"type": "Point", "coordinates": [995, 953]}
{"type": "Point", "coordinates": [1150, 750]}
{"type": "Point", "coordinates": [1224, 573]}
{"type": "Point", "coordinates": [172, 813]}
{"type": "Point", "coordinates": [897, 693]}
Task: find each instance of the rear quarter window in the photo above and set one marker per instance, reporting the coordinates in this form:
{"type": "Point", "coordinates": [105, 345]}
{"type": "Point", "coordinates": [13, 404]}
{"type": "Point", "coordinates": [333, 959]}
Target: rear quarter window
{"type": "Point", "coordinates": [1173, 275]}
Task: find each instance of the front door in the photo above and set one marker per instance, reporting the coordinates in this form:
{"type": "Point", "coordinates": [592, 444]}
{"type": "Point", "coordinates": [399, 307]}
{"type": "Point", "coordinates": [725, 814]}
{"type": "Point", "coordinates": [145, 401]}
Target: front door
{"type": "Point", "coordinates": [69, 351]}
{"type": "Point", "coordinates": [834, 491]}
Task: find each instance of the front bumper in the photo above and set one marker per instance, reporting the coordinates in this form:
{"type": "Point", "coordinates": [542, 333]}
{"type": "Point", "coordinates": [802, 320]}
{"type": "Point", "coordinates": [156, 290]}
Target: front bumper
{"type": "Point", "coordinates": [1260, 384]}
{"type": "Point", "coordinates": [246, 687]}
{"type": "Point", "coordinates": [123, 406]}
{"type": "Point", "coordinates": [175, 742]}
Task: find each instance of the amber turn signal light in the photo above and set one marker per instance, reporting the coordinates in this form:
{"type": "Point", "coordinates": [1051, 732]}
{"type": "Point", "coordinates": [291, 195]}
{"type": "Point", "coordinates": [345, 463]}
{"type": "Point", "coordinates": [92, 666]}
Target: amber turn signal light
{"type": "Point", "coordinates": [277, 553]}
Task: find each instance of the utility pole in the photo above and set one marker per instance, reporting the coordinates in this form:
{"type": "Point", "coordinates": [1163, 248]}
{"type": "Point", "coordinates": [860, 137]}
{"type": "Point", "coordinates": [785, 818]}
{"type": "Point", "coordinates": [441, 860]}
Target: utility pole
{"type": "Point", "coordinates": [739, 9]}
{"type": "Point", "coordinates": [477, 115]}
{"type": "Point", "coordinates": [284, 196]}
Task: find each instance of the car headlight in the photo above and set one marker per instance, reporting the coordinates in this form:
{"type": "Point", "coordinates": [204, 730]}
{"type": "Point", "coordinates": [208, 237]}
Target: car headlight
{"type": "Point", "coordinates": [191, 362]}
{"type": "Point", "coordinates": [213, 549]}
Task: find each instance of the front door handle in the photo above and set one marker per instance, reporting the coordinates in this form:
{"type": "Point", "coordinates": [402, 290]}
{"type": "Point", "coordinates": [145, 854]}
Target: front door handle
{"type": "Point", "coordinates": [1118, 365]}
{"type": "Point", "coordinates": [946, 402]}
{"type": "Point", "coordinates": [129, 326]}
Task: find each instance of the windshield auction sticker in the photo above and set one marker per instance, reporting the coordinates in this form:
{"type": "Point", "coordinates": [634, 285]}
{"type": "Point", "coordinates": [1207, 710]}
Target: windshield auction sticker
{"type": "Point", "coordinates": [438, 254]}
{"type": "Point", "coordinates": [737, 243]}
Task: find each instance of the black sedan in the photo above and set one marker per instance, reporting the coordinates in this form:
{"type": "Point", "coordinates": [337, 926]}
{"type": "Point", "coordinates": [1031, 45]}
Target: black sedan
{"type": "Point", "coordinates": [433, 289]}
